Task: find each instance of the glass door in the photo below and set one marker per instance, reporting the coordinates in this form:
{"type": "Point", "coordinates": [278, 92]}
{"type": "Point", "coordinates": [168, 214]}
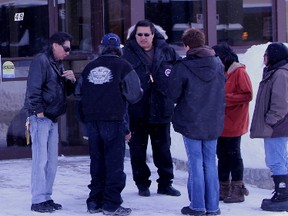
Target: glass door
{"type": "Point", "coordinates": [24, 29]}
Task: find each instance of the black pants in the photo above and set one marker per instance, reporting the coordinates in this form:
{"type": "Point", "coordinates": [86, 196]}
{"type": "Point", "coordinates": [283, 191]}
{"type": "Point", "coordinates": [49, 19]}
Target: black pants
{"type": "Point", "coordinates": [160, 142]}
{"type": "Point", "coordinates": [229, 159]}
{"type": "Point", "coordinates": [107, 151]}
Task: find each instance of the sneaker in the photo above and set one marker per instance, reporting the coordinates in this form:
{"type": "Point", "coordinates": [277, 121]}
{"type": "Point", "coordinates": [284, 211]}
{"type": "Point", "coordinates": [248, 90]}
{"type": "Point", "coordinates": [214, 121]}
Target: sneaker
{"type": "Point", "coordinates": [56, 206]}
{"type": "Point", "coordinates": [145, 192]}
{"type": "Point", "coordinates": [42, 207]}
{"type": "Point", "coordinates": [168, 191]}
{"type": "Point", "coordinates": [188, 211]}
{"type": "Point", "coordinates": [121, 211]}
{"type": "Point", "coordinates": [92, 208]}
{"type": "Point", "coordinates": [218, 212]}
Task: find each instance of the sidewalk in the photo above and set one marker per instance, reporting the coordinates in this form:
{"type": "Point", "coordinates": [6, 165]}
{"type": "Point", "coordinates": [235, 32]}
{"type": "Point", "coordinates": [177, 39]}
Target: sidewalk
{"type": "Point", "coordinates": [71, 191]}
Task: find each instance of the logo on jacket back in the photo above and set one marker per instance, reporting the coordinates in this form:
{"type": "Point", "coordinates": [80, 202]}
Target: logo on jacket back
{"type": "Point", "coordinates": [100, 75]}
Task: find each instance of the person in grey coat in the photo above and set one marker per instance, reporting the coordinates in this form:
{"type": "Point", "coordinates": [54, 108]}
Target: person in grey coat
{"type": "Point", "coordinates": [270, 121]}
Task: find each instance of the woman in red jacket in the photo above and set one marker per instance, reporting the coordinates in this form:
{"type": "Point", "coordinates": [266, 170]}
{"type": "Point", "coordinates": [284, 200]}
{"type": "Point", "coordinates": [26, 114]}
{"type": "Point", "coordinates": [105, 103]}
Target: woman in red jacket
{"type": "Point", "coordinates": [238, 95]}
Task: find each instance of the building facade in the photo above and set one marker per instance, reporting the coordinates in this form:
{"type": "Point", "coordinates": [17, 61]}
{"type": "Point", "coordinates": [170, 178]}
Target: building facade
{"type": "Point", "coordinates": [26, 24]}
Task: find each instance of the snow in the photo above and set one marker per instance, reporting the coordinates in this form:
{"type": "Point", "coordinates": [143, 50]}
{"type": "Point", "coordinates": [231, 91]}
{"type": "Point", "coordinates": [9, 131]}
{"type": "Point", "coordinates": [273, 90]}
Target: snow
{"type": "Point", "coordinates": [70, 188]}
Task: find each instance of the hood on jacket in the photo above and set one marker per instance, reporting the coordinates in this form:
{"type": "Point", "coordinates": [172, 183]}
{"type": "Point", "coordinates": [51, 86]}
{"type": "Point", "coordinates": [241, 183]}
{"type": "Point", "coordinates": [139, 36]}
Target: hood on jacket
{"type": "Point", "coordinates": [276, 52]}
{"type": "Point", "coordinates": [201, 62]}
{"type": "Point", "coordinates": [160, 33]}
{"type": "Point", "coordinates": [234, 66]}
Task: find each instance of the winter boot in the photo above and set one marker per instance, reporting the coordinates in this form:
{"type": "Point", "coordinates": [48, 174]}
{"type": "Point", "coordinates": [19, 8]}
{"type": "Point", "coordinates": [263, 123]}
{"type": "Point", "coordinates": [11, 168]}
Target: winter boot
{"type": "Point", "coordinates": [279, 201]}
{"type": "Point", "coordinates": [224, 190]}
{"type": "Point", "coordinates": [237, 192]}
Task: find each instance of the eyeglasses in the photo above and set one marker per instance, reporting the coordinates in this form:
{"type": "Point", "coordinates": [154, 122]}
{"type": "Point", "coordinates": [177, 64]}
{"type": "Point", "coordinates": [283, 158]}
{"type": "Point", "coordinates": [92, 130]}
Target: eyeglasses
{"type": "Point", "coordinates": [145, 34]}
{"type": "Point", "coordinates": [66, 48]}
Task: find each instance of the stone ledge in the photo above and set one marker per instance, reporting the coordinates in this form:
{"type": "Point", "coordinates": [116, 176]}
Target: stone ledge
{"type": "Point", "coordinates": [261, 178]}
{"type": "Point", "coordinates": [253, 176]}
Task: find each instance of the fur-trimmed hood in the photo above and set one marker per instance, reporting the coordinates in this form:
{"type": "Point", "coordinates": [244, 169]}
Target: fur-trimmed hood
{"type": "Point", "coordinates": [160, 33]}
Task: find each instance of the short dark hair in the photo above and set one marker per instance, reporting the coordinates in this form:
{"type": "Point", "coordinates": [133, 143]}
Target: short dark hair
{"type": "Point", "coordinates": [145, 23]}
{"type": "Point", "coordinates": [193, 38]}
{"type": "Point", "coordinates": [60, 38]}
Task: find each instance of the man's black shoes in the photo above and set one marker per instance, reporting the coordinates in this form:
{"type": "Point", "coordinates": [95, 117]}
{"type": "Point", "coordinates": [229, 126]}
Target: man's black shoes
{"type": "Point", "coordinates": [47, 206]}
{"type": "Point", "coordinates": [42, 207]}
{"type": "Point", "coordinates": [55, 206]}
{"type": "Point", "coordinates": [144, 191]}
{"type": "Point", "coordinates": [169, 190]}
{"type": "Point", "coordinates": [92, 207]}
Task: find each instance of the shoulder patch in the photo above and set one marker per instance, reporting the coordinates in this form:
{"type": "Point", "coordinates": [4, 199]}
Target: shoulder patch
{"type": "Point", "coordinates": [100, 75]}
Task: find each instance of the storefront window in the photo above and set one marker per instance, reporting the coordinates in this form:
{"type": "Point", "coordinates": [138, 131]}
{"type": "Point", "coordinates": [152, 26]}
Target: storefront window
{"type": "Point", "coordinates": [244, 22]}
{"type": "Point", "coordinates": [115, 17]}
{"type": "Point", "coordinates": [175, 16]}
{"type": "Point", "coordinates": [24, 31]}
{"type": "Point", "coordinates": [24, 27]}
{"type": "Point", "coordinates": [74, 17]}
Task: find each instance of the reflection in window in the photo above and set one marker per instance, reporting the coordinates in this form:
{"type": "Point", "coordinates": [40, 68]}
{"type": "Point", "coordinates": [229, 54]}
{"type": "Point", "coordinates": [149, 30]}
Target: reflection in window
{"type": "Point", "coordinates": [26, 28]}
{"type": "Point", "coordinates": [74, 17]}
{"type": "Point", "coordinates": [175, 16]}
{"type": "Point", "coordinates": [244, 22]}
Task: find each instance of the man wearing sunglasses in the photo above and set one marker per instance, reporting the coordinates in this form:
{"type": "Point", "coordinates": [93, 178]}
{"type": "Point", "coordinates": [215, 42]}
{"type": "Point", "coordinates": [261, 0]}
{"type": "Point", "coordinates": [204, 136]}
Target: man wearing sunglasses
{"type": "Point", "coordinates": [47, 86]}
{"type": "Point", "coordinates": [152, 58]}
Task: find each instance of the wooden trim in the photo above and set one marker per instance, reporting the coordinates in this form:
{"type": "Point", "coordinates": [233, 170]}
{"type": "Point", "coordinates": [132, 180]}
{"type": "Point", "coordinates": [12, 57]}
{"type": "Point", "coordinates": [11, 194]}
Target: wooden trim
{"type": "Point", "coordinates": [209, 16]}
{"type": "Point", "coordinates": [279, 20]}
{"type": "Point", "coordinates": [53, 16]}
{"type": "Point", "coordinates": [137, 11]}
{"type": "Point", "coordinates": [97, 22]}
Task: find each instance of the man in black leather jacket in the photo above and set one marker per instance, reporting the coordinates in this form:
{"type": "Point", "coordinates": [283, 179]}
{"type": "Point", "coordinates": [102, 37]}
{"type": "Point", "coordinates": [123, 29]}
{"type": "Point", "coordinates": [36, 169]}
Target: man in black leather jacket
{"type": "Point", "coordinates": [152, 58]}
{"type": "Point", "coordinates": [45, 101]}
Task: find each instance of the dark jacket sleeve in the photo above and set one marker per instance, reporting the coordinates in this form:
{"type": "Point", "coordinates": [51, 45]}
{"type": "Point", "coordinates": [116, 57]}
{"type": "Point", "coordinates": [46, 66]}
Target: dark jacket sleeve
{"type": "Point", "coordinates": [175, 83]}
{"type": "Point", "coordinates": [34, 86]}
{"type": "Point", "coordinates": [131, 87]}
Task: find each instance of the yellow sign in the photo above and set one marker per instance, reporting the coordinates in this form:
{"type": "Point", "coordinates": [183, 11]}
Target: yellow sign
{"type": "Point", "coordinates": [8, 70]}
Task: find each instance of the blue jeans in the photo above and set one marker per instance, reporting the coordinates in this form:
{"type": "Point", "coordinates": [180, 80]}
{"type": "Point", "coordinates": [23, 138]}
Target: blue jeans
{"type": "Point", "coordinates": [45, 139]}
{"type": "Point", "coordinates": [203, 185]}
{"type": "Point", "coordinates": [276, 152]}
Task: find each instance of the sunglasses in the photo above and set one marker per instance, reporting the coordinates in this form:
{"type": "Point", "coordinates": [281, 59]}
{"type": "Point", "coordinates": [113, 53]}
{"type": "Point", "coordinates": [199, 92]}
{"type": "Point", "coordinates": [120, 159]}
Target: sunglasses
{"type": "Point", "coordinates": [145, 34]}
{"type": "Point", "coordinates": [66, 48]}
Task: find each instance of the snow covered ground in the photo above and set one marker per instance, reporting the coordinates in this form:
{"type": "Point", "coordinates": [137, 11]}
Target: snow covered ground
{"type": "Point", "coordinates": [71, 191]}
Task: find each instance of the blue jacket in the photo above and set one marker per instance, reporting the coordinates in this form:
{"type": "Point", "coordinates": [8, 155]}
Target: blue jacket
{"type": "Point", "coordinates": [197, 86]}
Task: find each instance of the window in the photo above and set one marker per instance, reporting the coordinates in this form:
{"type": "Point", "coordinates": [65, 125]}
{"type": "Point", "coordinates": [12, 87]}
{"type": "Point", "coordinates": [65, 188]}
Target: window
{"type": "Point", "coordinates": [244, 22]}
{"type": "Point", "coordinates": [26, 27]}
{"type": "Point", "coordinates": [74, 17]}
{"type": "Point", "coordinates": [175, 16]}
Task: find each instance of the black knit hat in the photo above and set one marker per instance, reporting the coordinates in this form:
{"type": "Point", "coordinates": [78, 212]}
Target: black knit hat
{"type": "Point", "coordinates": [276, 52]}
